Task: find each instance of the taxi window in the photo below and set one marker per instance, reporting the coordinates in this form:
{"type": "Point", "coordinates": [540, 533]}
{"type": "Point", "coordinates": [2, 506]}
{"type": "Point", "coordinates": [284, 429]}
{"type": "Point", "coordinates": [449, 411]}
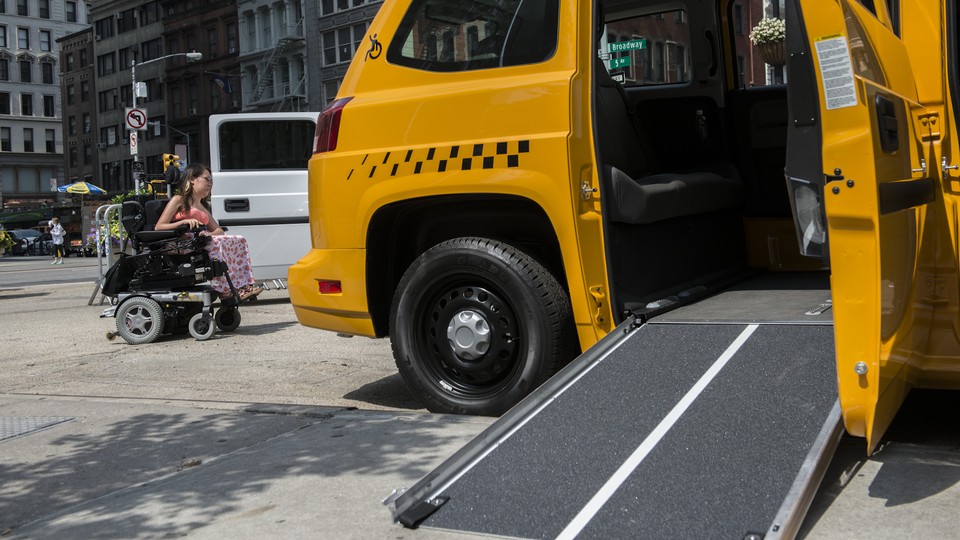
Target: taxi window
{"type": "Point", "coordinates": [651, 49]}
{"type": "Point", "coordinates": [458, 35]}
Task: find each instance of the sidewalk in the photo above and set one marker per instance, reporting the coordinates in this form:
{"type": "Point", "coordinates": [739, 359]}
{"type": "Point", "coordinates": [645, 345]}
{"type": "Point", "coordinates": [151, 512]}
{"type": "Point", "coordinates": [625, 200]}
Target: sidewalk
{"type": "Point", "coordinates": [147, 469]}
{"type": "Point", "coordinates": [122, 469]}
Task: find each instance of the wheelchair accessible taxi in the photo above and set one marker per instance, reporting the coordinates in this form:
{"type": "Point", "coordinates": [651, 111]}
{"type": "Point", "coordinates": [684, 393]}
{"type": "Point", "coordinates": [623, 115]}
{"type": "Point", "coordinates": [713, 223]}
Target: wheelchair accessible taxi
{"type": "Point", "coordinates": [163, 287]}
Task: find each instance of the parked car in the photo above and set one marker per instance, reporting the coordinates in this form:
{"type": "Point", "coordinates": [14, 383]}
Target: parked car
{"type": "Point", "coordinates": [24, 239]}
{"type": "Point", "coordinates": [74, 244]}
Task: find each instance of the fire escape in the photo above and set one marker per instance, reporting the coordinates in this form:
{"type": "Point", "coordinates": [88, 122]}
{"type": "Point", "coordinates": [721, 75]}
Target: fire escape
{"type": "Point", "coordinates": [265, 69]}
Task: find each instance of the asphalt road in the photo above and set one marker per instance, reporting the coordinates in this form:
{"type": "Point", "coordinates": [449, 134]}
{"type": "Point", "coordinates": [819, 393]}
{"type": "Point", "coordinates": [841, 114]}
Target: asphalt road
{"type": "Point", "coordinates": [54, 343]}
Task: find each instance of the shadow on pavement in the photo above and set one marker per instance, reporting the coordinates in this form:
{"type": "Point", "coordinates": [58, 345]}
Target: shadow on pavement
{"type": "Point", "coordinates": [388, 392]}
{"type": "Point", "coordinates": [253, 453]}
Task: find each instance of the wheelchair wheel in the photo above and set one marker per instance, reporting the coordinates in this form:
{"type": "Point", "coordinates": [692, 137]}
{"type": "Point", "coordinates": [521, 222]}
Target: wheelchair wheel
{"type": "Point", "coordinates": [228, 319]}
{"type": "Point", "coordinates": [202, 327]}
{"type": "Point", "coordinates": [140, 320]}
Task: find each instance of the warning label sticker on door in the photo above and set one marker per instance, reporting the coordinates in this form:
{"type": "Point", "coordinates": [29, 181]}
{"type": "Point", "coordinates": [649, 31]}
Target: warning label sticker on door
{"type": "Point", "coordinates": [836, 72]}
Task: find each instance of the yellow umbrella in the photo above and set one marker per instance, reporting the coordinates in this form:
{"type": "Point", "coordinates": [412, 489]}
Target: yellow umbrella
{"type": "Point", "coordinates": [83, 188]}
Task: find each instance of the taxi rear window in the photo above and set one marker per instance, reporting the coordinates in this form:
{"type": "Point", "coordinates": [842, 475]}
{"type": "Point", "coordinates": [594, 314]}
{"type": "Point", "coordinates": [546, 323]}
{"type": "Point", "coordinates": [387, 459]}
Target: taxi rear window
{"type": "Point", "coordinates": [457, 35]}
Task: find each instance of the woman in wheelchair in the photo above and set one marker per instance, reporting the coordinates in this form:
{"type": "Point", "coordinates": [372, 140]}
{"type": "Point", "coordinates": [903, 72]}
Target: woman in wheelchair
{"type": "Point", "coordinates": [192, 208]}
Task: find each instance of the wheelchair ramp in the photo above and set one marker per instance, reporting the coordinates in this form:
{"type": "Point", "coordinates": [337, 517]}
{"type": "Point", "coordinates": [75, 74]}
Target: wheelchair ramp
{"type": "Point", "coordinates": [679, 429]}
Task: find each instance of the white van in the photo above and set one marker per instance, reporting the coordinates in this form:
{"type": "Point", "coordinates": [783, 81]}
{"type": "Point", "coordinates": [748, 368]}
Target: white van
{"type": "Point", "coordinates": [259, 166]}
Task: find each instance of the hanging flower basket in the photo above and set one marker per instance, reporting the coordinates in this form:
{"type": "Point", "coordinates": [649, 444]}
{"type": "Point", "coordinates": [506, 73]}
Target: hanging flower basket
{"type": "Point", "coordinates": [769, 35]}
{"type": "Point", "coordinates": [773, 53]}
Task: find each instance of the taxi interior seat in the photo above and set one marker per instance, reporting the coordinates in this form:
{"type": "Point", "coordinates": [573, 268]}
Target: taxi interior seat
{"type": "Point", "coordinates": [643, 191]}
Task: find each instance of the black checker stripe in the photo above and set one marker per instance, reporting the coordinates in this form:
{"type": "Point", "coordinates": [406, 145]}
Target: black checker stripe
{"type": "Point", "coordinates": [404, 162]}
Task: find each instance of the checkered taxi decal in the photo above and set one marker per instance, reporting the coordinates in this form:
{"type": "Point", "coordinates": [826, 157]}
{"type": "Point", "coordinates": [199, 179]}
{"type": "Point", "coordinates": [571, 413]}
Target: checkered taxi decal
{"type": "Point", "coordinates": [499, 155]}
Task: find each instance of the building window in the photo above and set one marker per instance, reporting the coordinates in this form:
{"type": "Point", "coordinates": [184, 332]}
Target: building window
{"type": "Point", "coordinates": [5, 145]}
{"type": "Point", "coordinates": [3, 6]}
{"type": "Point", "coordinates": [149, 13]}
{"type": "Point", "coordinates": [84, 91]}
{"type": "Point", "coordinates": [738, 19]}
{"type": "Point", "coordinates": [152, 49]}
{"type": "Point", "coordinates": [43, 9]}
{"type": "Point", "coordinates": [69, 60]}
{"type": "Point", "coordinates": [127, 21]}
{"type": "Point", "coordinates": [22, 8]}
{"type": "Point", "coordinates": [330, 90]}
{"type": "Point", "coordinates": [212, 42]}
{"type": "Point", "coordinates": [48, 108]}
{"type": "Point", "coordinates": [71, 95]}
{"type": "Point", "coordinates": [26, 73]}
{"type": "Point", "coordinates": [3, 35]}
{"type": "Point", "coordinates": [232, 38]}
{"type": "Point", "coordinates": [72, 126]}
{"type": "Point", "coordinates": [127, 56]}
{"type": "Point", "coordinates": [4, 103]}
{"type": "Point", "coordinates": [83, 58]}
{"type": "Point", "coordinates": [46, 72]}
{"type": "Point", "coordinates": [4, 69]}
{"type": "Point", "coordinates": [45, 41]}
{"type": "Point", "coordinates": [26, 104]}
{"type": "Point", "coordinates": [104, 27]}
{"type": "Point", "coordinates": [73, 156]}
{"type": "Point", "coordinates": [86, 123]}
{"type": "Point", "coordinates": [106, 64]}
{"type": "Point", "coordinates": [87, 154]}
{"type": "Point", "coordinates": [71, 9]}
{"type": "Point", "coordinates": [51, 141]}
{"type": "Point", "coordinates": [23, 38]}
{"type": "Point", "coordinates": [28, 139]}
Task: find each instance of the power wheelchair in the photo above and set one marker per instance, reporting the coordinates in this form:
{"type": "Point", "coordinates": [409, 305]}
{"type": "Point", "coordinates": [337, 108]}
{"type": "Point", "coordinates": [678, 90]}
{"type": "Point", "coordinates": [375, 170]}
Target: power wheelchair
{"type": "Point", "coordinates": [161, 288]}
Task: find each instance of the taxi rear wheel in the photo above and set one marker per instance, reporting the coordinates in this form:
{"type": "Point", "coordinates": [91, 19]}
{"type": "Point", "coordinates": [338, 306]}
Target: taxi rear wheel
{"type": "Point", "coordinates": [477, 324]}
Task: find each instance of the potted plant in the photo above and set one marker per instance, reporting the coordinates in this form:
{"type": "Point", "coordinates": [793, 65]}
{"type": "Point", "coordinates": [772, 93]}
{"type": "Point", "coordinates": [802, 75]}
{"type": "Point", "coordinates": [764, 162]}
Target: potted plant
{"type": "Point", "coordinates": [769, 36]}
{"type": "Point", "coordinates": [6, 242]}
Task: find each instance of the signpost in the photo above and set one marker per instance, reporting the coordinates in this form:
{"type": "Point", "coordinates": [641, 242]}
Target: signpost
{"type": "Point", "coordinates": [619, 62]}
{"type": "Point", "coordinates": [624, 46]}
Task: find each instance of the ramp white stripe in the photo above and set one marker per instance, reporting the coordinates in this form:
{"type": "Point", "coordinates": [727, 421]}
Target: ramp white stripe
{"type": "Point", "coordinates": [613, 484]}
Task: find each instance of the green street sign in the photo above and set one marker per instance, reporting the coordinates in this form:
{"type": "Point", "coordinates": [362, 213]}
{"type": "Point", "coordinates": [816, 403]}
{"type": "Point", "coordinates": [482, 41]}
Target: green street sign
{"type": "Point", "coordinates": [623, 46]}
{"type": "Point", "coordinates": [619, 62]}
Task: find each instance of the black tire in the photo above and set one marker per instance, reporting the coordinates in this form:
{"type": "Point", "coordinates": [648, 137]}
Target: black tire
{"type": "Point", "coordinates": [514, 313]}
{"type": "Point", "coordinates": [228, 318]}
{"type": "Point", "coordinates": [139, 320]}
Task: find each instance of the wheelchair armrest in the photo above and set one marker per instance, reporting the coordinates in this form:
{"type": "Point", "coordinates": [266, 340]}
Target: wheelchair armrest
{"type": "Point", "coordinates": [156, 236]}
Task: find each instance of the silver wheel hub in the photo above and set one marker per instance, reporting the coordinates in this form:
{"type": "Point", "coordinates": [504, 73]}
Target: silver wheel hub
{"type": "Point", "coordinates": [469, 335]}
{"type": "Point", "coordinates": [138, 320]}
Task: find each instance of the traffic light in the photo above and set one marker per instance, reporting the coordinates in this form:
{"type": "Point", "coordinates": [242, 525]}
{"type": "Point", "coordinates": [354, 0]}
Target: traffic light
{"type": "Point", "coordinates": [171, 169]}
{"type": "Point", "coordinates": [171, 159]}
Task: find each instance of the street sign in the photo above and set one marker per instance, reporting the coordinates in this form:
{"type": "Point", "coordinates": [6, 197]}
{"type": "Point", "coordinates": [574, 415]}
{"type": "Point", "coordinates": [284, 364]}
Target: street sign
{"type": "Point", "coordinates": [133, 143]}
{"type": "Point", "coordinates": [138, 166]}
{"type": "Point", "coordinates": [619, 62]}
{"type": "Point", "coordinates": [136, 119]}
{"type": "Point", "coordinates": [623, 46]}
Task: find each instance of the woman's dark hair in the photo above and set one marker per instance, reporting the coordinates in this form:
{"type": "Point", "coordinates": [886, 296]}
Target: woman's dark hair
{"type": "Point", "coordinates": [191, 172]}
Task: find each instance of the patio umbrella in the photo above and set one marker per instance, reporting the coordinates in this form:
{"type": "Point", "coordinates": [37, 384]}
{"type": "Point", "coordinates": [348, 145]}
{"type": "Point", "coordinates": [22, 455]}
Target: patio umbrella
{"type": "Point", "coordinates": [83, 188]}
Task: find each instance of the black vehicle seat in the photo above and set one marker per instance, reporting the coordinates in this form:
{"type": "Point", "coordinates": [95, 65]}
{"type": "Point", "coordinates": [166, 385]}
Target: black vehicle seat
{"type": "Point", "coordinates": [642, 191]}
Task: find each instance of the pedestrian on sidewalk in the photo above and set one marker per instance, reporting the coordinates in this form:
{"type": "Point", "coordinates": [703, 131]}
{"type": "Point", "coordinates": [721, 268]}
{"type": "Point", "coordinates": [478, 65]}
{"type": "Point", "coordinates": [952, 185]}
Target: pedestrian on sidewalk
{"type": "Point", "coordinates": [56, 233]}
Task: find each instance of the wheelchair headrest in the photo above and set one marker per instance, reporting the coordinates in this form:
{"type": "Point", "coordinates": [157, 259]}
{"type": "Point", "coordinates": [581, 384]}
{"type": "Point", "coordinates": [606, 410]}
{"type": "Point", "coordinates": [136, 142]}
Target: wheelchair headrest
{"type": "Point", "coordinates": [132, 216]}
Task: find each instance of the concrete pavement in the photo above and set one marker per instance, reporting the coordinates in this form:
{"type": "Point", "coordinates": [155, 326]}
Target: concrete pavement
{"type": "Point", "coordinates": [284, 432]}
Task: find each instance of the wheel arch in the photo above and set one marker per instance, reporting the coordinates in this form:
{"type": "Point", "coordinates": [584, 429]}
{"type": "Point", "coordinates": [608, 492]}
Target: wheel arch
{"type": "Point", "coordinates": [400, 232]}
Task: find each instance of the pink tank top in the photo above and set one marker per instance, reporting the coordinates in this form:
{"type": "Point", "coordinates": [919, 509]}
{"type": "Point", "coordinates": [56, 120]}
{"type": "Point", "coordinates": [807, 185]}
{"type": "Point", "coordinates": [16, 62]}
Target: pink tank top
{"type": "Point", "coordinates": [193, 213]}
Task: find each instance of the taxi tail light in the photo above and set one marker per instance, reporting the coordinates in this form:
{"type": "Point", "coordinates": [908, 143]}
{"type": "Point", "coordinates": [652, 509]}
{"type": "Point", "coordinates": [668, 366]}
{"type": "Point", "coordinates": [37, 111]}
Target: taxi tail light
{"type": "Point", "coordinates": [329, 286]}
{"type": "Point", "coordinates": [328, 126]}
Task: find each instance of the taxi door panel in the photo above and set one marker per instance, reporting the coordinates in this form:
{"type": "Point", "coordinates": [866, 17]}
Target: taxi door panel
{"type": "Point", "coordinates": [875, 197]}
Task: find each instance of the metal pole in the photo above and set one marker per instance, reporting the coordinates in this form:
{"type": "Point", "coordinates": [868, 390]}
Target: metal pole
{"type": "Point", "coordinates": [133, 99]}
